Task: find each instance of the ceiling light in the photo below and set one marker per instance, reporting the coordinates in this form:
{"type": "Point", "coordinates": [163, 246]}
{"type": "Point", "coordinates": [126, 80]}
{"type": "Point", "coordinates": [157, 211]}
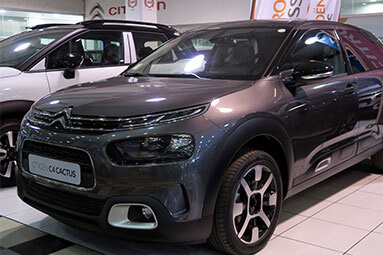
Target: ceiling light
{"type": "Point", "coordinates": [364, 3]}
{"type": "Point", "coordinates": [22, 47]}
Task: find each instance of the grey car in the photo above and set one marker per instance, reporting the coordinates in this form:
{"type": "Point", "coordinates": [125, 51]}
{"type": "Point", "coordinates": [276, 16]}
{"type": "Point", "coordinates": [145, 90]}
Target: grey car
{"type": "Point", "coordinates": [204, 138]}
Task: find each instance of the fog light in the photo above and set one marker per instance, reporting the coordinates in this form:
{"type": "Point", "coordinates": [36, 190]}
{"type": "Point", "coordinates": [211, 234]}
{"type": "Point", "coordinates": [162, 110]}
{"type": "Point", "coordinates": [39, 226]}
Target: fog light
{"type": "Point", "coordinates": [132, 216]}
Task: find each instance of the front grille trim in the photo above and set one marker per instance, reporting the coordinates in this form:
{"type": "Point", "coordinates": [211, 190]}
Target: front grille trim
{"type": "Point", "coordinates": [42, 179]}
{"type": "Point", "coordinates": [105, 124]}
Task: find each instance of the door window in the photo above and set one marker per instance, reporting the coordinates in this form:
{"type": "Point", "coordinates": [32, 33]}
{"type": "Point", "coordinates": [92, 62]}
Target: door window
{"type": "Point", "coordinates": [97, 49]}
{"type": "Point", "coordinates": [317, 45]}
{"type": "Point", "coordinates": [146, 43]}
{"type": "Point", "coordinates": [356, 61]}
{"type": "Point", "coordinates": [362, 47]}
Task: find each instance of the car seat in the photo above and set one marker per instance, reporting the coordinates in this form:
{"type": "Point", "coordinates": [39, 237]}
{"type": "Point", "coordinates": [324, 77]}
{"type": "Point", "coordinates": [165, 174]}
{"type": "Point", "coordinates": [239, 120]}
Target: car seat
{"type": "Point", "coordinates": [111, 54]}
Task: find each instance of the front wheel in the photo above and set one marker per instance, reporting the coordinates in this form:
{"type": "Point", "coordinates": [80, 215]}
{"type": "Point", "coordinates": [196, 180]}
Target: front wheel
{"type": "Point", "coordinates": [8, 136]}
{"type": "Point", "coordinates": [248, 204]}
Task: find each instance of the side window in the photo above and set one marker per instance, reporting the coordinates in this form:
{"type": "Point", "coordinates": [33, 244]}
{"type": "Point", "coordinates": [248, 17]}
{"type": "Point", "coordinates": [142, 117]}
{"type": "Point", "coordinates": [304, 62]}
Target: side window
{"type": "Point", "coordinates": [356, 62]}
{"type": "Point", "coordinates": [317, 45]}
{"type": "Point", "coordinates": [146, 43]}
{"type": "Point", "coordinates": [97, 49]}
{"type": "Point", "coordinates": [364, 50]}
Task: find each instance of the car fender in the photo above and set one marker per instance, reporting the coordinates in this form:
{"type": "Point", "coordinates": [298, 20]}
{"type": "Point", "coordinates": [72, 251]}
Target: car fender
{"type": "Point", "coordinates": [237, 137]}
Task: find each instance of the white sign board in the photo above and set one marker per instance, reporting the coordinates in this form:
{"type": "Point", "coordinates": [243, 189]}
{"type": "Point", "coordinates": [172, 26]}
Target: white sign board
{"type": "Point", "coordinates": [171, 12]}
{"type": "Point", "coordinates": [296, 9]}
{"type": "Point", "coordinates": [137, 10]}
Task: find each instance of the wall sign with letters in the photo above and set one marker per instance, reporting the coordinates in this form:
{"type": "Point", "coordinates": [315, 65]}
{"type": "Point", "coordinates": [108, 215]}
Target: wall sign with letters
{"type": "Point", "coordinates": [296, 9]}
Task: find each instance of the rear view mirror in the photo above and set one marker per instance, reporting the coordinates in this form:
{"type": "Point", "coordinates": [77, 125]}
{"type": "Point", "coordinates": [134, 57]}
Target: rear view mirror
{"type": "Point", "coordinates": [307, 71]}
{"type": "Point", "coordinates": [312, 70]}
{"type": "Point", "coordinates": [71, 62]}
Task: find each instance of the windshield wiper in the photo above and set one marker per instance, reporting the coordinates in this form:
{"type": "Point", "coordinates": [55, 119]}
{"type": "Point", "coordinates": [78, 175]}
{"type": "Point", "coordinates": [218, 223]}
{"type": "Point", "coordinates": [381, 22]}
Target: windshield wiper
{"type": "Point", "coordinates": [183, 75]}
{"type": "Point", "coordinates": [135, 75]}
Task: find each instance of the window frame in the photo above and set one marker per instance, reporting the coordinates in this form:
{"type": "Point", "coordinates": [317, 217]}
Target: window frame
{"type": "Point", "coordinates": [77, 36]}
{"type": "Point", "coordinates": [301, 32]}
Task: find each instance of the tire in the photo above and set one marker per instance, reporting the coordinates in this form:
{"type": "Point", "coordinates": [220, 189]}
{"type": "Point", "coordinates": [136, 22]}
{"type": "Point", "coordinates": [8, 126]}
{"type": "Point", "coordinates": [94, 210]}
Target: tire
{"type": "Point", "coordinates": [260, 172]}
{"type": "Point", "coordinates": [377, 161]}
{"type": "Point", "coordinates": [8, 134]}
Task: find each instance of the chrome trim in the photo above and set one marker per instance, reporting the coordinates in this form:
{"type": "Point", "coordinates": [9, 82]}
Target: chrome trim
{"type": "Point", "coordinates": [318, 76]}
{"type": "Point", "coordinates": [324, 164]}
{"type": "Point", "coordinates": [118, 217]}
{"type": "Point", "coordinates": [144, 121]}
{"type": "Point", "coordinates": [44, 180]}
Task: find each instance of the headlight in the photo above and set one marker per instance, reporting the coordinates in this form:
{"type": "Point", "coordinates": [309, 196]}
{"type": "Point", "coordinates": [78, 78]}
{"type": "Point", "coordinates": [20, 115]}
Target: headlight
{"type": "Point", "coordinates": [152, 149]}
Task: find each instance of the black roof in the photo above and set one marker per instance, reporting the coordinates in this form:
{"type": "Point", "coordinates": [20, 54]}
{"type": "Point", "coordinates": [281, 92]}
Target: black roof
{"type": "Point", "coordinates": [276, 23]}
{"type": "Point", "coordinates": [110, 23]}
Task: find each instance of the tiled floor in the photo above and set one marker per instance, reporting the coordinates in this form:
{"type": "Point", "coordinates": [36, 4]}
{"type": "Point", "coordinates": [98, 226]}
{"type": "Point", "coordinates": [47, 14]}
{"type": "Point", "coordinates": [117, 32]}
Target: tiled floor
{"type": "Point", "coordinates": [343, 215]}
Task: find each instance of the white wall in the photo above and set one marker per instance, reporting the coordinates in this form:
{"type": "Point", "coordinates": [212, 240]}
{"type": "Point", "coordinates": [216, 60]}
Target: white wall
{"type": "Point", "coordinates": [179, 12]}
{"type": "Point", "coordinates": [370, 22]}
{"type": "Point", "coordinates": [56, 6]}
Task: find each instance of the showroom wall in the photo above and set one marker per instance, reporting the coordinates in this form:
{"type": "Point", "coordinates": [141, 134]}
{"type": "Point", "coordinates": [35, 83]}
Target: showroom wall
{"type": "Point", "coordinates": [179, 13]}
{"type": "Point", "coordinates": [63, 6]}
{"type": "Point", "coordinates": [370, 22]}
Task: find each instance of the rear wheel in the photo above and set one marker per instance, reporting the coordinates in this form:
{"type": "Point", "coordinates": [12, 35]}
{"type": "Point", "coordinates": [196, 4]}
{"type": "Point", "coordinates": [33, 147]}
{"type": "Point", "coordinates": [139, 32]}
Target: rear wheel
{"type": "Point", "coordinates": [377, 161]}
{"type": "Point", "coordinates": [8, 136]}
{"type": "Point", "coordinates": [248, 204]}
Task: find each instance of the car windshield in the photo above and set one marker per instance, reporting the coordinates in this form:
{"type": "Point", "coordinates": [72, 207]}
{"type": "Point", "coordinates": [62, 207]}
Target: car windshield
{"type": "Point", "coordinates": [232, 53]}
{"type": "Point", "coordinates": [16, 49]}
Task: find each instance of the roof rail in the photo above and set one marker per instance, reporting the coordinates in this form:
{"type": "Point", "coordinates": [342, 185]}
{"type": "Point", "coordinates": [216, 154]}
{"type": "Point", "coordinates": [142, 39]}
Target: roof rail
{"type": "Point", "coordinates": [47, 25]}
{"type": "Point", "coordinates": [90, 23]}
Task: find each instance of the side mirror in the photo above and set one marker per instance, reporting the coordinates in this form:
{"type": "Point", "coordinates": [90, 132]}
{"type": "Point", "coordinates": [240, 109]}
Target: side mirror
{"type": "Point", "coordinates": [307, 71]}
{"type": "Point", "coordinates": [71, 62]}
{"type": "Point", "coordinates": [312, 70]}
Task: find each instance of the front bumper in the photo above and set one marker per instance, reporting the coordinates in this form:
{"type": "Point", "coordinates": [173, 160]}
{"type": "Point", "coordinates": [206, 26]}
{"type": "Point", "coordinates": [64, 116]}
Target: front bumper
{"type": "Point", "coordinates": [168, 229]}
{"type": "Point", "coordinates": [175, 191]}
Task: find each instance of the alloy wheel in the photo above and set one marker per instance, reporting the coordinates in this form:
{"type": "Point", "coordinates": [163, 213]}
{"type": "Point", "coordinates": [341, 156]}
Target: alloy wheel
{"type": "Point", "coordinates": [8, 153]}
{"type": "Point", "coordinates": [255, 204]}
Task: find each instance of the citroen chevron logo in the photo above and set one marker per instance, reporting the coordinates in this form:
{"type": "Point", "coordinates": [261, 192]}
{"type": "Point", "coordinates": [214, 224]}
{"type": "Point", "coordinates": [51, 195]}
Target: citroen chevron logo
{"type": "Point", "coordinates": [97, 12]}
{"type": "Point", "coordinates": [62, 117]}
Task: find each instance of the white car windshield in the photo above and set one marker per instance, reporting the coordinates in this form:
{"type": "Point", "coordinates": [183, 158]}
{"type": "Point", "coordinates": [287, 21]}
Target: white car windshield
{"type": "Point", "coordinates": [220, 53]}
{"type": "Point", "coordinates": [16, 49]}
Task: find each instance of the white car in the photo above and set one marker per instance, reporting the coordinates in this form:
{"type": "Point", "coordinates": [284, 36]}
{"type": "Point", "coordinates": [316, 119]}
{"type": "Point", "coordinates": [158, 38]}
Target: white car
{"type": "Point", "coordinates": [51, 57]}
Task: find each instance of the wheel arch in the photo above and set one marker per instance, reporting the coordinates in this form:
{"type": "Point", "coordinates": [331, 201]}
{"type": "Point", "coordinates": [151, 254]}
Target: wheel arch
{"type": "Point", "coordinates": [265, 134]}
{"type": "Point", "coordinates": [15, 109]}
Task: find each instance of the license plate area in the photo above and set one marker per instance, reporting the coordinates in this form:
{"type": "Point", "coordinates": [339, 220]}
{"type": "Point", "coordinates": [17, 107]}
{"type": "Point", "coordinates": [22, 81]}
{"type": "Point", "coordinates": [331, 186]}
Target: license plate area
{"type": "Point", "coordinates": [54, 169]}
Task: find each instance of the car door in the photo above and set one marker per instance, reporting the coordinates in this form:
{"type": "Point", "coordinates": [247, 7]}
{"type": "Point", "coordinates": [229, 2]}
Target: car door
{"type": "Point", "coordinates": [365, 54]}
{"type": "Point", "coordinates": [105, 54]}
{"type": "Point", "coordinates": [320, 114]}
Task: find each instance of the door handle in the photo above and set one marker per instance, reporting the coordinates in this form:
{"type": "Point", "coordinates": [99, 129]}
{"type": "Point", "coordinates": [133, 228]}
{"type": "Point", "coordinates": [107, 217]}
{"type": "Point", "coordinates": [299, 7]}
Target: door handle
{"type": "Point", "coordinates": [350, 88]}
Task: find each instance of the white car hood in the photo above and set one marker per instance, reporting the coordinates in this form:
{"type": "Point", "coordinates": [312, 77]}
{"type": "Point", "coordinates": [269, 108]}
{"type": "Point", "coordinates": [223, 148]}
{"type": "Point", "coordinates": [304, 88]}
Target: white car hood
{"type": "Point", "coordinates": [8, 72]}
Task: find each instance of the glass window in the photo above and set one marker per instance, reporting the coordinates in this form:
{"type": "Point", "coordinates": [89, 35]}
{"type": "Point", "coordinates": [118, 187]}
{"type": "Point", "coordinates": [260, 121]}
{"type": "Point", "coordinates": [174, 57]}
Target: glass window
{"type": "Point", "coordinates": [232, 53]}
{"type": "Point", "coordinates": [97, 49]}
{"type": "Point", "coordinates": [357, 65]}
{"type": "Point", "coordinates": [317, 45]}
{"type": "Point", "coordinates": [146, 43]}
{"type": "Point", "coordinates": [365, 47]}
{"type": "Point", "coordinates": [18, 48]}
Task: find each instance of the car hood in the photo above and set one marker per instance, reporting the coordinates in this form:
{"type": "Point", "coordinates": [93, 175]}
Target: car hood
{"type": "Point", "coordinates": [131, 96]}
{"type": "Point", "coordinates": [8, 72]}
